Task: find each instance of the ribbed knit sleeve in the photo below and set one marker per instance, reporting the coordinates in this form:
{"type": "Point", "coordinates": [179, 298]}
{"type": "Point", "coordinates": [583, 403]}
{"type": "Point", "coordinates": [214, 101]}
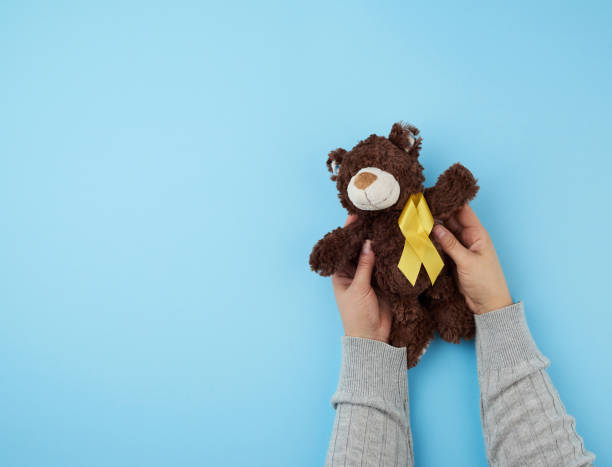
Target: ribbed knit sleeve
{"type": "Point", "coordinates": [371, 427]}
{"type": "Point", "coordinates": [524, 421]}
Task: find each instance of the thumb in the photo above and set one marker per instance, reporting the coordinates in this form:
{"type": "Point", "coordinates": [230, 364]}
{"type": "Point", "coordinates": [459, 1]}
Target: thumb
{"type": "Point", "coordinates": [451, 246]}
{"type": "Point", "coordinates": [363, 274]}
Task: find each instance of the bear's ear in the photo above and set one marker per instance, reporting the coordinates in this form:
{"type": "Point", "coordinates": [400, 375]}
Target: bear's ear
{"type": "Point", "coordinates": [334, 160]}
{"type": "Point", "coordinates": [405, 136]}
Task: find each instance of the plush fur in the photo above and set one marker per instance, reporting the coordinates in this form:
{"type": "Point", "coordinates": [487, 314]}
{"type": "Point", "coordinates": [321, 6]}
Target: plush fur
{"type": "Point", "coordinates": [419, 310]}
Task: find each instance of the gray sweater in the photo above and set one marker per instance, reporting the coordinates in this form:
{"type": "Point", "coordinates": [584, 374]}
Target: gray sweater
{"type": "Point", "coordinates": [524, 422]}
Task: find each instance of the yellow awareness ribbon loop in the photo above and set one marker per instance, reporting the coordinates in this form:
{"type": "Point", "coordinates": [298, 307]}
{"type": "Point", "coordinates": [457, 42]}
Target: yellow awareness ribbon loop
{"type": "Point", "coordinates": [416, 223]}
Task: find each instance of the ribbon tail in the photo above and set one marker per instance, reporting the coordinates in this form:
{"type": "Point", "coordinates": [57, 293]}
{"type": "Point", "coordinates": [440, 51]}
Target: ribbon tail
{"type": "Point", "coordinates": [409, 264]}
{"type": "Point", "coordinates": [433, 263]}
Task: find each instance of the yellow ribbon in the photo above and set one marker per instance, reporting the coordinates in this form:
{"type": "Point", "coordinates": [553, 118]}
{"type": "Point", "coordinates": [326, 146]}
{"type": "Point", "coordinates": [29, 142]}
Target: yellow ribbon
{"type": "Point", "coordinates": [416, 223]}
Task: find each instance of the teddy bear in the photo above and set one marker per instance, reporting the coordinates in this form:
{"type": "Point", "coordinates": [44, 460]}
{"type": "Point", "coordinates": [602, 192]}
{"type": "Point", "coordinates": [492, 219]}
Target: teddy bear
{"type": "Point", "coordinates": [375, 181]}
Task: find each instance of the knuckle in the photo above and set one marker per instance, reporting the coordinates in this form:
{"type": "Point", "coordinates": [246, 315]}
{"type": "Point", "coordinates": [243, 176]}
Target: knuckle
{"type": "Point", "coordinates": [363, 294]}
{"type": "Point", "coordinates": [450, 241]}
{"type": "Point", "coordinates": [366, 261]}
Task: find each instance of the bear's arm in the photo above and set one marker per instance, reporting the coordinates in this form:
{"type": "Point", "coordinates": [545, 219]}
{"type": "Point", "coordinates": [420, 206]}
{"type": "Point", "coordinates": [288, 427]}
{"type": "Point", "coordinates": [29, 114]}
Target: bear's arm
{"type": "Point", "coordinates": [338, 248]}
{"type": "Point", "coordinates": [455, 187]}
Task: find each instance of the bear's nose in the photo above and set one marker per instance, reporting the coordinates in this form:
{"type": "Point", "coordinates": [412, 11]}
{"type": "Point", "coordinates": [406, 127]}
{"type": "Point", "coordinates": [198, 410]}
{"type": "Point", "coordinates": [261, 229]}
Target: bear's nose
{"type": "Point", "coordinates": [364, 180]}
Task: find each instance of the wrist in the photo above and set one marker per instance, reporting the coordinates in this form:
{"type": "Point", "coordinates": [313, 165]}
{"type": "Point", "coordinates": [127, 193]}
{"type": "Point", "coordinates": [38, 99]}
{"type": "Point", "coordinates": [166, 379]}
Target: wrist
{"type": "Point", "coordinates": [494, 303]}
{"type": "Point", "coordinates": [367, 335]}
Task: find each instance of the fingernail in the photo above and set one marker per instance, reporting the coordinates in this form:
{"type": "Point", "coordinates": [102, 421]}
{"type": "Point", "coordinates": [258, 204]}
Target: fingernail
{"type": "Point", "coordinates": [367, 247]}
{"type": "Point", "coordinates": [439, 231]}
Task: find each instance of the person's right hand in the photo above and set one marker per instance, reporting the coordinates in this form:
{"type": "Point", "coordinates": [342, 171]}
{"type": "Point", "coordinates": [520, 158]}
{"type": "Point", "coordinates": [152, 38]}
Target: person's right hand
{"type": "Point", "coordinates": [480, 276]}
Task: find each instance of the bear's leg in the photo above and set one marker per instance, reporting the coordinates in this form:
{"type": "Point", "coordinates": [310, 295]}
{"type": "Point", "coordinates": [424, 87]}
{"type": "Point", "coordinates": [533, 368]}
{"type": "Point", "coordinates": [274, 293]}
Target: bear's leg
{"type": "Point", "coordinates": [412, 327]}
{"type": "Point", "coordinates": [454, 320]}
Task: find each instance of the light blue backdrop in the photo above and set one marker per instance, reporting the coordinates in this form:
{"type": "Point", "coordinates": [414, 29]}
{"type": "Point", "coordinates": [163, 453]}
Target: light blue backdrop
{"type": "Point", "coordinates": [162, 182]}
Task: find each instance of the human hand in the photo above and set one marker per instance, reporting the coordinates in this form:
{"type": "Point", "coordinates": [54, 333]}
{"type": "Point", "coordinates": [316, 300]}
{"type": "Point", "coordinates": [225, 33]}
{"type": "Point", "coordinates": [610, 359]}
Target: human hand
{"type": "Point", "coordinates": [362, 313]}
{"type": "Point", "coordinates": [480, 276]}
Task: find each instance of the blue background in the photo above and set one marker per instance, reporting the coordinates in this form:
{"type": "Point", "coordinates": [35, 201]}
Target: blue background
{"type": "Point", "coordinates": [162, 183]}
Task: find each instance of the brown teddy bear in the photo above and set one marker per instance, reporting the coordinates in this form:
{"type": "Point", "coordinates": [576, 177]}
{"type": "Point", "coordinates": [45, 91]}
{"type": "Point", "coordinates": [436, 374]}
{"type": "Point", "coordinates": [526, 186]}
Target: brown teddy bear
{"type": "Point", "coordinates": [375, 181]}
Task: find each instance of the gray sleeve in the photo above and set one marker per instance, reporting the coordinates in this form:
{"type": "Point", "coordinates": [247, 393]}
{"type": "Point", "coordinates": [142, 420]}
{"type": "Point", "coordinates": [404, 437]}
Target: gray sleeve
{"type": "Point", "coordinates": [523, 419]}
{"type": "Point", "coordinates": [371, 427]}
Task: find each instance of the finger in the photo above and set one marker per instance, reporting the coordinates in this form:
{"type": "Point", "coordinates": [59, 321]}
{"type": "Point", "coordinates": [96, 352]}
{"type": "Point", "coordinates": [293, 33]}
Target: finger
{"type": "Point", "coordinates": [350, 219]}
{"type": "Point", "coordinates": [363, 274]}
{"type": "Point", "coordinates": [474, 236]}
{"type": "Point", "coordinates": [341, 282]}
{"type": "Point", "coordinates": [453, 225]}
{"type": "Point", "coordinates": [467, 217]}
{"type": "Point", "coordinates": [451, 245]}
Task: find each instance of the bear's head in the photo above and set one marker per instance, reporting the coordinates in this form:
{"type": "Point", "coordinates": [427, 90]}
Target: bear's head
{"type": "Point", "coordinates": [379, 174]}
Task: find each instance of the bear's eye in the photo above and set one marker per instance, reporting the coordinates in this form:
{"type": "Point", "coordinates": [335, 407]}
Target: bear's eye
{"type": "Point", "coordinates": [335, 167]}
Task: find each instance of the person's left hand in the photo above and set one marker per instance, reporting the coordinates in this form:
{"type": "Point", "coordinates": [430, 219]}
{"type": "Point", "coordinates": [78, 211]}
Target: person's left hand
{"type": "Point", "coordinates": [362, 313]}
